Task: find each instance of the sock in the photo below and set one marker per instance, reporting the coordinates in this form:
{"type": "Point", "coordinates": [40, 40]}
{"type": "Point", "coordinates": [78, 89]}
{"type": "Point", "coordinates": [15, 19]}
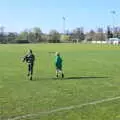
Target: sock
{"type": "Point", "coordinates": [62, 75]}
{"type": "Point", "coordinates": [30, 77]}
{"type": "Point", "coordinates": [57, 75]}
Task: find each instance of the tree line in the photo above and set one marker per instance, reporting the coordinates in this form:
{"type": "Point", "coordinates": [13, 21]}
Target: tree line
{"type": "Point", "coordinates": [35, 35]}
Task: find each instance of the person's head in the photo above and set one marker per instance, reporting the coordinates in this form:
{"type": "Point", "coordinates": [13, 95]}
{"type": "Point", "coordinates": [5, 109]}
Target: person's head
{"type": "Point", "coordinates": [30, 51]}
{"type": "Point", "coordinates": [57, 54]}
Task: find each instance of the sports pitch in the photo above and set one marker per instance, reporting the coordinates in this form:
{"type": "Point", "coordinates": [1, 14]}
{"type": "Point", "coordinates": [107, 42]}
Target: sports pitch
{"type": "Point", "coordinates": [89, 91]}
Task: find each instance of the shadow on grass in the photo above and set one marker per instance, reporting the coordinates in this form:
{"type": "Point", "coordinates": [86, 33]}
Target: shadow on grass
{"type": "Point", "coordinates": [70, 78]}
{"type": "Point", "coordinates": [85, 77]}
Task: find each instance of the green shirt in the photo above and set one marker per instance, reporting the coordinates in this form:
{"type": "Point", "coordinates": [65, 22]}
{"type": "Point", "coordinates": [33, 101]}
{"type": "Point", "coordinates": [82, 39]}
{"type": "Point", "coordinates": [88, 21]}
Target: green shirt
{"type": "Point", "coordinates": [58, 61]}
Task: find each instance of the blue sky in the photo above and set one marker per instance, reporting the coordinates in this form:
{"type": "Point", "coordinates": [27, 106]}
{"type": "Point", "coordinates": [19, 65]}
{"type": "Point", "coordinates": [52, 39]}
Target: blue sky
{"type": "Point", "coordinates": [17, 15]}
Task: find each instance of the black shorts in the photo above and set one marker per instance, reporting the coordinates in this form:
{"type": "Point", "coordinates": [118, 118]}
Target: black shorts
{"type": "Point", "coordinates": [59, 68]}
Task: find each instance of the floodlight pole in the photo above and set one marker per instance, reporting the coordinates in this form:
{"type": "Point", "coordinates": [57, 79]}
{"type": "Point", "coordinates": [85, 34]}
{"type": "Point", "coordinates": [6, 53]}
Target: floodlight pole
{"type": "Point", "coordinates": [64, 22]}
{"type": "Point", "coordinates": [113, 20]}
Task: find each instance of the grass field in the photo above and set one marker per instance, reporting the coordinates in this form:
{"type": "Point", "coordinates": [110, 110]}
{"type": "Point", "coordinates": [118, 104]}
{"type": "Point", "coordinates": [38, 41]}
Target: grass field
{"type": "Point", "coordinates": [92, 73]}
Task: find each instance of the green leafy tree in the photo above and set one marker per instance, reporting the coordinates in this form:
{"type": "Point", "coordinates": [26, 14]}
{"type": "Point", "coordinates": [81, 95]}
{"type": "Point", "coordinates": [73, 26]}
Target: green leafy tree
{"type": "Point", "coordinates": [22, 37]}
{"type": "Point", "coordinates": [11, 37]}
{"type": "Point", "coordinates": [37, 34]}
{"type": "Point", "coordinates": [54, 36]}
{"type": "Point", "coordinates": [78, 34]}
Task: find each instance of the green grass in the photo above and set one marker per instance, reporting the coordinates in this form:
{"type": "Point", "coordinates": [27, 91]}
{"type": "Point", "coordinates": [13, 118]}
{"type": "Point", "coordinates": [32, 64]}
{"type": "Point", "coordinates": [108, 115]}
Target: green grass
{"type": "Point", "coordinates": [92, 72]}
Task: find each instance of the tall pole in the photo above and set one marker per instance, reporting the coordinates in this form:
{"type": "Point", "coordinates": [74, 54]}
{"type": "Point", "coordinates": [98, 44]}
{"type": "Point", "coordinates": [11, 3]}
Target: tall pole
{"type": "Point", "coordinates": [64, 20]}
{"type": "Point", "coordinates": [113, 20]}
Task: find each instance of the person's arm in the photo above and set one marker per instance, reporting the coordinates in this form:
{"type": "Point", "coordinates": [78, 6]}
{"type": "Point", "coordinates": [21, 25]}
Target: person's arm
{"type": "Point", "coordinates": [24, 58]}
{"type": "Point", "coordinates": [56, 60]}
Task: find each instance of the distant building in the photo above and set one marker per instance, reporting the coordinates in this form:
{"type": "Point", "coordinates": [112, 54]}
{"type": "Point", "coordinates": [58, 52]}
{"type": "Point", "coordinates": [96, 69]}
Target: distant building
{"type": "Point", "coordinates": [114, 41]}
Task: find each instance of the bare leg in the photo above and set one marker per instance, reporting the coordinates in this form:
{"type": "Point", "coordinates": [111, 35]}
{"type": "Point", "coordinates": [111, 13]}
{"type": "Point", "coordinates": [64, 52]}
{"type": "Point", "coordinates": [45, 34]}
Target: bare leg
{"type": "Point", "coordinates": [57, 71]}
{"type": "Point", "coordinates": [61, 73]}
{"type": "Point", "coordinates": [28, 70]}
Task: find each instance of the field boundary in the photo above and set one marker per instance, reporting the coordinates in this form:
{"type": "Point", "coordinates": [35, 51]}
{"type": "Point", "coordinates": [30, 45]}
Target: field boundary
{"type": "Point", "coordinates": [64, 108]}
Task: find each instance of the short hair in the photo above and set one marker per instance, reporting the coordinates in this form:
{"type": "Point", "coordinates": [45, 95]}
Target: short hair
{"type": "Point", "coordinates": [57, 54]}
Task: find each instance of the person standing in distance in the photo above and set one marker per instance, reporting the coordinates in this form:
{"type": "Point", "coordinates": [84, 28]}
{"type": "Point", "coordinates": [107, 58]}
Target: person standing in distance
{"type": "Point", "coordinates": [58, 64]}
{"type": "Point", "coordinates": [29, 59]}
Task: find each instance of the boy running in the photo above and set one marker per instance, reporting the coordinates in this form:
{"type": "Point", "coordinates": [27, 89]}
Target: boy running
{"type": "Point", "coordinates": [29, 58]}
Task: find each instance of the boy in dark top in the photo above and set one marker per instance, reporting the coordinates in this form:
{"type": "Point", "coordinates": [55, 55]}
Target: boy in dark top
{"type": "Point", "coordinates": [29, 59]}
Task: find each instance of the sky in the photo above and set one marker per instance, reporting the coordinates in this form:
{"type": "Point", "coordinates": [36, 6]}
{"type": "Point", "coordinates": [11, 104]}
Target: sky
{"type": "Point", "coordinates": [17, 15]}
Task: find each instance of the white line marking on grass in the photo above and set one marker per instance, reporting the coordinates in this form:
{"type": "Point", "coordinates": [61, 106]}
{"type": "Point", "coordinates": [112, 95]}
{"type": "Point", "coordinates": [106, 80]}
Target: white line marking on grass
{"type": "Point", "coordinates": [95, 60]}
{"type": "Point", "coordinates": [64, 108]}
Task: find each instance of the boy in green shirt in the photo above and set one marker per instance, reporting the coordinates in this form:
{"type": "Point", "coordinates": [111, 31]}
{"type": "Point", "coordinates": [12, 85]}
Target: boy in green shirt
{"type": "Point", "coordinates": [58, 64]}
